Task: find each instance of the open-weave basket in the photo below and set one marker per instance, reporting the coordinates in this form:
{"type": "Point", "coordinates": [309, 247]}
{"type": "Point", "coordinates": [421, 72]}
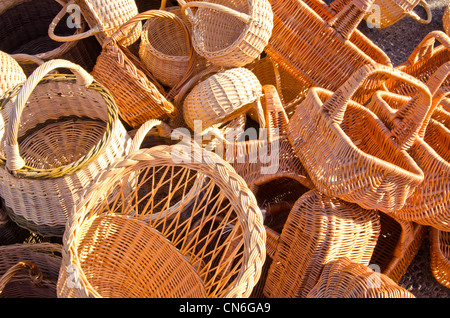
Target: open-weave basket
{"type": "Point", "coordinates": [138, 95]}
{"type": "Point", "coordinates": [165, 222]}
{"type": "Point", "coordinates": [104, 17]}
{"type": "Point", "coordinates": [429, 204]}
{"type": "Point", "coordinates": [11, 73]}
{"type": "Point", "coordinates": [440, 256]}
{"type": "Point", "coordinates": [57, 132]}
{"type": "Point", "coordinates": [29, 270]}
{"type": "Point", "coordinates": [229, 33]}
{"type": "Point", "coordinates": [397, 245]}
{"type": "Point", "coordinates": [318, 229]}
{"type": "Point", "coordinates": [318, 46]}
{"type": "Point", "coordinates": [222, 97]}
{"type": "Point", "coordinates": [349, 153]}
{"type": "Point", "coordinates": [345, 278]}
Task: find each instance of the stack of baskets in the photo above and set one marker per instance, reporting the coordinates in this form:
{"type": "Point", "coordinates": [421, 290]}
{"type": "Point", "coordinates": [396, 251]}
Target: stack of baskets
{"type": "Point", "coordinates": [217, 148]}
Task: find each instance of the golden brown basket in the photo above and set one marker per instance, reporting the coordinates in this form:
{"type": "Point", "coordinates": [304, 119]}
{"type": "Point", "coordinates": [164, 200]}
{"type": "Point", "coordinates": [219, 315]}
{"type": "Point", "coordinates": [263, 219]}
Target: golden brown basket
{"type": "Point", "coordinates": [328, 47]}
{"type": "Point", "coordinates": [345, 278]}
{"type": "Point", "coordinates": [319, 229]}
{"type": "Point", "coordinates": [440, 256]}
{"type": "Point", "coordinates": [139, 96]}
{"type": "Point", "coordinates": [229, 33]}
{"type": "Point", "coordinates": [104, 17]}
{"type": "Point", "coordinates": [29, 270]}
{"type": "Point", "coordinates": [187, 227]}
{"type": "Point", "coordinates": [11, 73]}
{"type": "Point", "coordinates": [222, 97]}
{"type": "Point", "coordinates": [52, 148]}
{"type": "Point", "coordinates": [429, 204]}
{"type": "Point", "coordinates": [349, 153]}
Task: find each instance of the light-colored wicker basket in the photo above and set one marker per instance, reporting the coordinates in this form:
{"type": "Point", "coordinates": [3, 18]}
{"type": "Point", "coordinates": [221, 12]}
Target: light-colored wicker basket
{"type": "Point", "coordinates": [349, 153]}
{"type": "Point", "coordinates": [11, 73]}
{"type": "Point", "coordinates": [57, 132]}
{"type": "Point", "coordinates": [345, 278]}
{"type": "Point", "coordinates": [230, 33]}
{"type": "Point", "coordinates": [138, 94]}
{"type": "Point", "coordinates": [29, 270]}
{"type": "Point", "coordinates": [319, 229]}
{"type": "Point", "coordinates": [211, 241]}
{"type": "Point", "coordinates": [222, 97]}
{"type": "Point", "coordinates": [328, 47]}
{"type": "Point", "coordinates": [440, 256]}
{"type": "Point", "coordinates": [104, 17]}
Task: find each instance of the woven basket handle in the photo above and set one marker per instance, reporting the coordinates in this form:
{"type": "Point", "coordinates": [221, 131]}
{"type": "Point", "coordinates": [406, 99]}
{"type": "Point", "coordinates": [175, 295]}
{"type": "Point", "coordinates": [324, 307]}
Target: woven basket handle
{"type": "Point", "coordinates": [348, 18]}
{"type": "Point", "coordinates": [201, 4]}
{"type": "Point", "coordinates": [69, 38]}
{"type": "Point", "coordinates": [426, 47]}
{"type": "Point", "coordinates": [35, 274]}
{"type": "Point", "coordinates": [274, 113]}
{"type": "Point", "coordinates": [427, 8]}
{"type": "Point", "coordinates": [407, 127]}
{"type": "Point", "coordinates": [164, 130]}
{"type": "Point", "coordinates": [14, 162]}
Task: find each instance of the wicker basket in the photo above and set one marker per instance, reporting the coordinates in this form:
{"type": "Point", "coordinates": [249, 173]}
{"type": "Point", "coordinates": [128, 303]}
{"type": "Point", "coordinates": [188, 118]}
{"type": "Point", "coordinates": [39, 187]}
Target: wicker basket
{"type": "Point", "coordinates": [11, 73]}
{"type": "Point", "coordinates": [349, 153]}
{"type": "Point", "coordinates": [53, 147]}
{"type": "Point", "coordinates": [29, 270]}
{"type": "Point", "coordinates": [345, 278]}
{"type": "Point", "coordinates": [446, 20]}
{"type": "Point", "coordinates": [139, 96]}
{"type": "Point", "coordinates": [155, 239]}
{"type": "Point", "coordinates": [397, 245]}
{"type": "Point", "coordinates": [24, 29]}
{"type": "Point", "coordinates": [10, 232]}
{"type": "Point", "coordinates": [222, 97]}
{"type": "Point", "coordinates": [328, 48]}
{"type": "Point", "coordinates": [440, 256]}
{"type": "Point", "coordinates": [318, 229]}
{"type": "Point", "coordinates": [104, 17]}
{"type": "Point", "coordinates": [230, 33]}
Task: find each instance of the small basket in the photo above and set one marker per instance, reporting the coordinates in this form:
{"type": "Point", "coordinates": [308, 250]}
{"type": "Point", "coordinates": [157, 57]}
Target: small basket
{"type": "Point", "coordinates": [440, 256]}
{"type": "Point", "coordinates": [104, 17]}
{"type": "Point", "coordinates": [139, 96]}
{"type": "Point", "coordinates": [11, 73]}
{"type": "Point", "coordinates": [319, 229]}
{"type": "Point", "coordinates": [185, 228]}
{"type": "Point", "coordinates": [328, 47]}
{"type": "Point", "coordinates": [59, 131]}
{"type": "Point", "coordinates": [345, 278]}
{"type": "Point", "coordinates": [230, 33]}
{"type": "Point", "coordinates": [349, 153]}
{"type": "Point", "coordinates": [42, 261]}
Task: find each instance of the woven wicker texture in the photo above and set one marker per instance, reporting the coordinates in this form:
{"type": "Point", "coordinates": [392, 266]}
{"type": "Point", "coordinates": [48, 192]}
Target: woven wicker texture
{"type": "Point", "coordinates": [230, 33]}
{"type": "Point", "coordinates": [10, 232]}
{"type": "Point", "coordinates": [397, 245]}
{"type": "Point", "coordinates": [318, 229]}
{"type": "Point", "coordinates": [349, 153]}
{"type": "Point", "coordinates": [446, 20]}
{"type": "Point", "coordinates": [440, 256]}
{"type": "Point", "coordinates": [137, 93]}
{"type": "Point", "coordinates": [11, 73]}
{"type": "Point", "coordinates": [53, 147]}
{"type": "Point", "coordinates": [344, 278]}
{"type": "Point", "coordinates": [104, 17]}
{"type": "Point", "coordinates": [328, 48]}
{"type": "Point", "coordinates": [192, 201]}
{"type": "Point", "coordinates": [29, 270]}
{"type": "Point", "coordinates": [222, 97]}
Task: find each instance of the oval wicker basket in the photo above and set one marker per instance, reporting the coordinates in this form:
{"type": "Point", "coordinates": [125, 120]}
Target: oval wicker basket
{"type": "Point", "coordinates": [440, 256]}
{"type": "Point", "coordinates": [29, 270]}
{"type": "Point", "coordinates": [215, 234]}
{"type": "Point", "coordinates": [344, 278]}
{"type": "Point", "coordinates": [52, 148]}
{"type": "Point", "coordinates": [318, 229]}
{"type": "Point", "coordinates": [341, 142]}
{"type": "Point", "coordinates": [11, 73]}
{"type": "Point", "coordinates": [104, 17]}
{"type": "Point", "coordinates": [230, 33]}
